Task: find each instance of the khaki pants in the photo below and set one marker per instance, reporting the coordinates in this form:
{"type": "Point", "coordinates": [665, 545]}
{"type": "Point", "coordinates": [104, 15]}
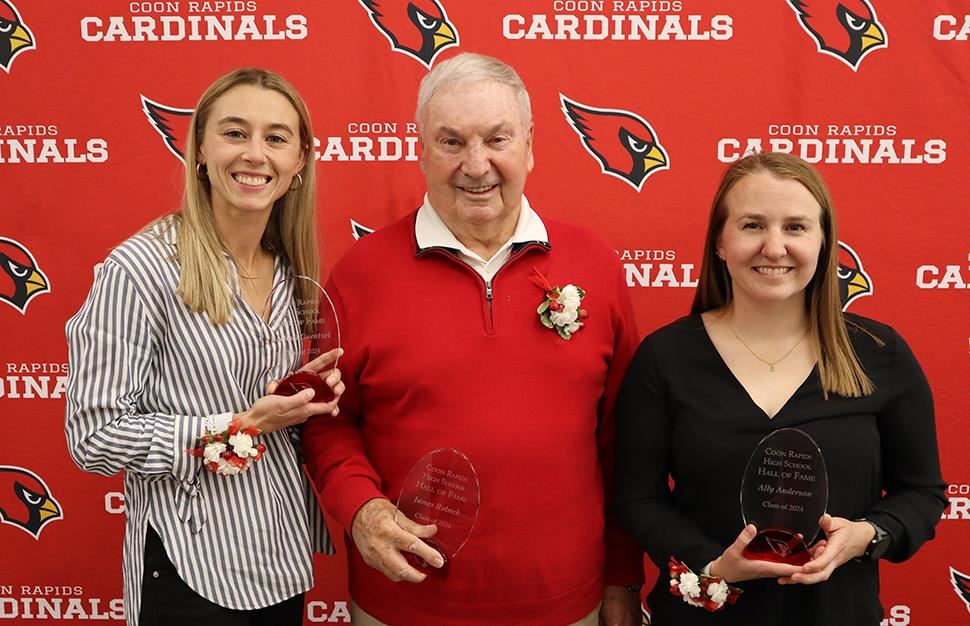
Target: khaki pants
{"type": "Point", "coordinates": [359, 618]}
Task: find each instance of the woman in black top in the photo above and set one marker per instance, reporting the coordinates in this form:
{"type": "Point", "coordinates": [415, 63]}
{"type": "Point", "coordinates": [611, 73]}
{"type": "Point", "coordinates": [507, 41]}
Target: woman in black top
{"type": "Point", "coordinates": [767, 347]}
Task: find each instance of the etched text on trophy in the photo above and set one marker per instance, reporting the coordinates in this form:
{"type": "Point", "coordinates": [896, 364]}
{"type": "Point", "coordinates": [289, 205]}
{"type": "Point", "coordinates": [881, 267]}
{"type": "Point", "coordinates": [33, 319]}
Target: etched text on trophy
{"type": "Point", "coordinates": [318, 332]}
{"type": "Point", "coordinates": [784, 494]}
{"type": "Point", "coordinates": [442, 489]}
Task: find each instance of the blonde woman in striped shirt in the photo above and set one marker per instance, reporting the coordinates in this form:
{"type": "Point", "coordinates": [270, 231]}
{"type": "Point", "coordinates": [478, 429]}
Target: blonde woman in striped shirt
{"type": "Point", "coordinates": [186, 327]}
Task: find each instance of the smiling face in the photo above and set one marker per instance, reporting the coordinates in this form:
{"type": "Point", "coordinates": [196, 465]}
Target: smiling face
{"type": "Point", "coordinates": [771, 239]}
{"type": "Point", "coordinates": [477, 155]}
{"type": "Point", "coordinates": [251, 149]}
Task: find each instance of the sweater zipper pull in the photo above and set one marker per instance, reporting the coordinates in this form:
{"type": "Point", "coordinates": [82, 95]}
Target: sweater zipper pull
{"type": "Point", "coordinates": [491, 311]}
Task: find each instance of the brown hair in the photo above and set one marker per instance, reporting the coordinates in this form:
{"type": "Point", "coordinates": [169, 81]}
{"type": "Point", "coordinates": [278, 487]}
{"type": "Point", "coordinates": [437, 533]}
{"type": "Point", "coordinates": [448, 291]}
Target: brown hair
{"type": "Point", "coordinates": [204, 283]}
{"type": "Point", "coordinates": [838, 366]}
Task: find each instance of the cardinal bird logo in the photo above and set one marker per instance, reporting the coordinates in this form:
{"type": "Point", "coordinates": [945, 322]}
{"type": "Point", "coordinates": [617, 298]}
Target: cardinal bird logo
{"type": "Point", "coordinates": [417, 28]}
{"type": "Point", "coordinates": [171, 123]}
{"type": "Point", "coordinates": [15, 36]}
{"type": "Point", "coordinates": [359, 231]}
{"type": "Point", "coordinates": [624, 143]}
{"type": "Point", "coordinates": [25, 500]}
{"type": "Point", "coordinates": [854, 283]}
{"type": "Point", "coordinates": [20, 280]}
{"type": "Point", "coordinates": [961, 584]}
{"type": "Point", "coordinates": [847, 29]}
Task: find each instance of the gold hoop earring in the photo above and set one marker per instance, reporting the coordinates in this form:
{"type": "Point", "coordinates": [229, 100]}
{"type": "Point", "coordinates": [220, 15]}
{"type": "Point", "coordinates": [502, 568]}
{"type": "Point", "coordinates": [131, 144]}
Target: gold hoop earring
{"type": "Point", "coordinates": [298, 180]}
{"type": "Point", "coordinates": [201, 171]}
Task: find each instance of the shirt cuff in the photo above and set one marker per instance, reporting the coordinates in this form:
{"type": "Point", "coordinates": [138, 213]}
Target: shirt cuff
{"type": "Point", "coordinates": [219, 423]}
{"type": "Point", "coordinates": [188, 430]}
{"type": "Point", "coordinates": [344, 501]}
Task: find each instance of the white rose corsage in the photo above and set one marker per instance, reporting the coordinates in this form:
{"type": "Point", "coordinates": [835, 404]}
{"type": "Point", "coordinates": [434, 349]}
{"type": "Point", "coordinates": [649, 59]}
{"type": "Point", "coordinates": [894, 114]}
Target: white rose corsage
{"type": "Point", "coordinates": [231, 451]}
{"type": "Point", "coordinates": [708, 592]}
{"type": "Point", "coordinates": [560, 310]}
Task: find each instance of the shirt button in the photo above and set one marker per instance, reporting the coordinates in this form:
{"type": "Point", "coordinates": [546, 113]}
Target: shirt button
{"type": "Point", "coordinates": [155, 574]}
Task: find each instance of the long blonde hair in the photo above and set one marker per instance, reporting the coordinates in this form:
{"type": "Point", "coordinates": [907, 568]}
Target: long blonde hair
{"type": "Point", "coordinates": [204, 284]}
{"type": "Point", "coordinates": [838, 365]}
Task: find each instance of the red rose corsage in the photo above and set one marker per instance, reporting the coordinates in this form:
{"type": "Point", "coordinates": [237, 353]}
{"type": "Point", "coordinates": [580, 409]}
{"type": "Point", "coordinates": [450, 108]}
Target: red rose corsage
{"type": "Point", "coordinates": [560, 310]}
{"type": "Point", "coordinates": [231, 451]}
{"type": "Point", "coordinates": [709, 592]}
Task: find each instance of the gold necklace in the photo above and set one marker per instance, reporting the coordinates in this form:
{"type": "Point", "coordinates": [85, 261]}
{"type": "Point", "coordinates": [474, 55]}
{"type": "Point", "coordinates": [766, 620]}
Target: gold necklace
{"type": "Point", "coordinates": [239, 271]}
{"type": "Point", "coordinates": [250, 281]}
{"type": "Point", "coordinates": [253, 288]}
{"type": "Point", "coordinates": [257, 295]}
{"type": "Point", "coordinates": [770, 364]}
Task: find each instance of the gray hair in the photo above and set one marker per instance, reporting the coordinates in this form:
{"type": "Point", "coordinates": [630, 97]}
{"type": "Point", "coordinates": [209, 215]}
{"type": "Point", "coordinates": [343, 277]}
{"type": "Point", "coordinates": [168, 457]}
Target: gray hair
{"type": "Point", "coordinates": [467, 68]}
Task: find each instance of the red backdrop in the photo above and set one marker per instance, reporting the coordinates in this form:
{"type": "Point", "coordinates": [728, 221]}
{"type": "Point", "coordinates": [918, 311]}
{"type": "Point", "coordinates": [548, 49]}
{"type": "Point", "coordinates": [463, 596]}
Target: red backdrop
{"type": "Point", "coordinates": [83, 167]}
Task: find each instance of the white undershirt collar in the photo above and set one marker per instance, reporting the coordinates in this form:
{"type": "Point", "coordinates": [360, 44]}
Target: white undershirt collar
{"type": "Point", "coordinates": [430, 231]}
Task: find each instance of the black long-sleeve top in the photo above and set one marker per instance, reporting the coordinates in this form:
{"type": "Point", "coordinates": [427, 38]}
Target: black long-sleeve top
{"type": "Point", "coordinates": [683, 416]}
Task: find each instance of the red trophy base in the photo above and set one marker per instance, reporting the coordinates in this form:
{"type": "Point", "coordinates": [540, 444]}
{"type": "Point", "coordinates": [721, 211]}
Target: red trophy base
{"type": "Point", "coordinates": [298, 381]}
{"type": "Point", "coordinates": [778, 546]}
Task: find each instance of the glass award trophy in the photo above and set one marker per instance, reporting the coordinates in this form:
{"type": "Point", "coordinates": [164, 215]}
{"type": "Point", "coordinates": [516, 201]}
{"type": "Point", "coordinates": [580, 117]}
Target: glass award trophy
{"type": "Point", "coordinates": [441, 489]}
{"type": "Point", "coordinates": [784, 493]}
{"type": "Point", "coordinates": [312, 332]}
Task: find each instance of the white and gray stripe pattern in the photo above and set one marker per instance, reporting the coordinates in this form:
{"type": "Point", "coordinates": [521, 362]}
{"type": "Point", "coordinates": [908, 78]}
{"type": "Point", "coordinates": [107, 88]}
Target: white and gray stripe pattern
{"type": "Point", "coordinates": [144, 374]}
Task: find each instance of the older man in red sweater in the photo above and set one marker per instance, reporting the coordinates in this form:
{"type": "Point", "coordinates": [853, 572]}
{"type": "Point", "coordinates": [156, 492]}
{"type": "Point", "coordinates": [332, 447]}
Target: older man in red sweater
{"type": "Point", "coordinates": [445, 348]}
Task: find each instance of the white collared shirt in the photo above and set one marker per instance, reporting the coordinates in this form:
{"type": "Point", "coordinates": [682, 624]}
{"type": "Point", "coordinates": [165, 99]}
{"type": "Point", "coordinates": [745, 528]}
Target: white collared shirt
{"type": "Point", "coordinates": [146, 375]}
{"type": "Point", "coordinates": [430, 231]}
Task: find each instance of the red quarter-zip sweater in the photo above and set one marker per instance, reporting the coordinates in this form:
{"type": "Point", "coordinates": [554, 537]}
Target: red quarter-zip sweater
{"type": "Point", "coordinates": [434, 358]}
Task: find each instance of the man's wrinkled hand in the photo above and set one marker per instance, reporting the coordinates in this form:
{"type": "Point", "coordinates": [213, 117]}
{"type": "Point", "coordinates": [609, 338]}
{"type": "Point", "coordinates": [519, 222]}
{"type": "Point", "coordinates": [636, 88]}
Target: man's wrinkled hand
{"type": "Point", "coordinates": [382, 535]}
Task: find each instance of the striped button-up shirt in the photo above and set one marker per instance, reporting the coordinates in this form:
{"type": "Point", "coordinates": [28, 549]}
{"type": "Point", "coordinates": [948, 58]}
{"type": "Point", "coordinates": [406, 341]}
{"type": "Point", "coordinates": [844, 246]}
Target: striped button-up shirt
{"type": "Point", "coordinates": [145, 373]}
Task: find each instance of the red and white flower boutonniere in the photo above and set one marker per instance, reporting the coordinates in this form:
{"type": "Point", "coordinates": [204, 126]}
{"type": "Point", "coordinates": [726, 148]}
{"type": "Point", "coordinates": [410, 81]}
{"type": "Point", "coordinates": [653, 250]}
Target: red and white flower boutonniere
{"type": "Point", "coordinates": [231, 451]}
{"type": "Point", "coordinates": [708, 592]}
{"type": "Point", "coordinates": [560, 310]}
